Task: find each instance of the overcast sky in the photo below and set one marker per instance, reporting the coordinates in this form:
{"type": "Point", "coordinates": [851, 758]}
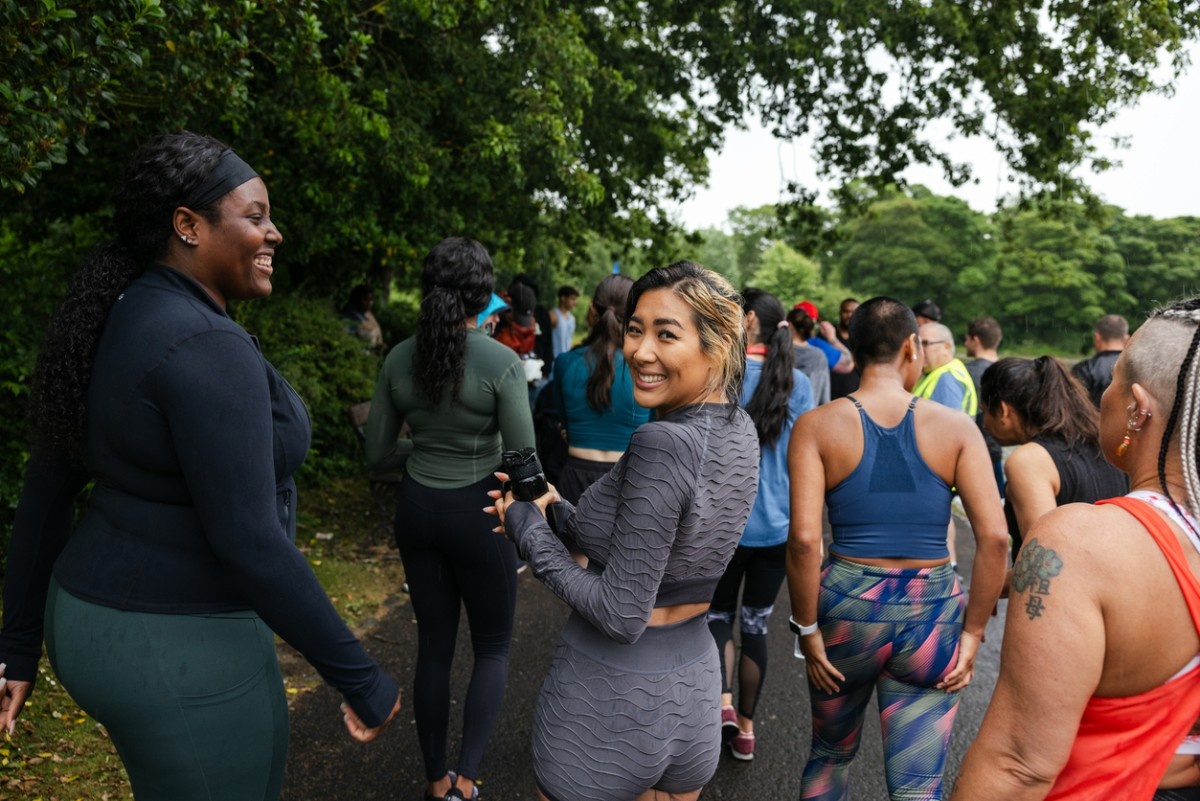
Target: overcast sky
{"type": "Point", "coordinates": [1160, 175]}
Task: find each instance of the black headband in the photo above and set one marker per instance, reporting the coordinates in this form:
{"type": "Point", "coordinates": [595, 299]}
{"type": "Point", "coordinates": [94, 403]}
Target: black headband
{"type": "Point", "coordinates": [230, 173]}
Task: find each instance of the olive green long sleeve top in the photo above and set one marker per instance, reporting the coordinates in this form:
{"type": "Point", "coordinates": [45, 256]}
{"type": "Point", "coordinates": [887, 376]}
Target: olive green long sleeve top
{"type": "Point", "coordinates": [454, 443]}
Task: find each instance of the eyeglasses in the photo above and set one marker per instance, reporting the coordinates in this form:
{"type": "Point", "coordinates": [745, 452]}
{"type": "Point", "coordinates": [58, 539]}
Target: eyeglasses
{"type": "Point", "coordinates": [925, 343]}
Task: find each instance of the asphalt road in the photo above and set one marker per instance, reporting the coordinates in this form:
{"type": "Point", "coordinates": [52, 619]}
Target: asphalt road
{"type": "Point", "coordinates": [325, 765]}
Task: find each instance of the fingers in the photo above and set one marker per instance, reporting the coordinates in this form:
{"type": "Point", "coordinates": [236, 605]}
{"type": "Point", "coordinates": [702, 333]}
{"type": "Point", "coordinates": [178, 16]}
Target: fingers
{"type": "Point", "coordinates": [359, 730]}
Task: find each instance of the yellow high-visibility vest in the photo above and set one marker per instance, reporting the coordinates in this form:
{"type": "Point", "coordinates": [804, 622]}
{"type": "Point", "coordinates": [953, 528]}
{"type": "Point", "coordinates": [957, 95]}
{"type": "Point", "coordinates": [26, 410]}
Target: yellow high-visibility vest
{"type": "Point", "coordinates": [955, 367]}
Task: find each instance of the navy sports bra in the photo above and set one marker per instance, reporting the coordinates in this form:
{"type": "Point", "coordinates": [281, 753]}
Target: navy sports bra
{"type": "Point", "coordinates": [891, 506]}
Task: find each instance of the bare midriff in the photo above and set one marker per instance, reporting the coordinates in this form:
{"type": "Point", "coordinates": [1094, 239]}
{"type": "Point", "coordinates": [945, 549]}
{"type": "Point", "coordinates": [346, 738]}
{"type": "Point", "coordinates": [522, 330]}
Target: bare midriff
{"type": "Point", "coordinates": [666, 615]}
{"type": "Point", "coordinates": [900, 564]}
{"type": "Point", "coordinates": [594, 454]}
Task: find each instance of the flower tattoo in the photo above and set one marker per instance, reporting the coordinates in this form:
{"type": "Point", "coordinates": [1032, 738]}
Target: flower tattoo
{"type": "Point", "coordinates": [1033, 571]}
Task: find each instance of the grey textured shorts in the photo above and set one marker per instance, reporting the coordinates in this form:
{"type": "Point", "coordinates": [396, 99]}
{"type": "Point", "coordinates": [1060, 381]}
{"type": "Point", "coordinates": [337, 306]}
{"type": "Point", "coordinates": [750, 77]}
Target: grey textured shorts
{"type": "Point", "coordinates": [614, 720]}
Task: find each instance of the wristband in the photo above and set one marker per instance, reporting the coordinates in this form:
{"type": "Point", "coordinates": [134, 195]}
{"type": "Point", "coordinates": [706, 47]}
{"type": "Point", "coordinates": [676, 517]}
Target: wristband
{"type": "Point", "coordinates": [802, 631]}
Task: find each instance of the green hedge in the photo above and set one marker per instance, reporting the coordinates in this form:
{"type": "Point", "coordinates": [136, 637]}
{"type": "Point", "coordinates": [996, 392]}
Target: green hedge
{"type": "Point", "coordinates": [329, 368]}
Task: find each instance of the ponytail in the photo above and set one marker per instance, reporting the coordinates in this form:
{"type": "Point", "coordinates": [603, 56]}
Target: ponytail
{"type": "Point", "coordinates": [58, 392]}
{"type": "Point", "coordinates": [456, 281]}
{"type": "Point", "coordinates": [768, 407]}
{"type": "Point", "coordinates": [606, 335]}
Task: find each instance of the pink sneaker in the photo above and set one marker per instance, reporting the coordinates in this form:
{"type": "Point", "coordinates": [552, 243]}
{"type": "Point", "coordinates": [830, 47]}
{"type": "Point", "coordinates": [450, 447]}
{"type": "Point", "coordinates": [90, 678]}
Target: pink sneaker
{"type": "Point", "coordinates": [729, 726]}
{"type": "Point", "coordinates": [742, 746]}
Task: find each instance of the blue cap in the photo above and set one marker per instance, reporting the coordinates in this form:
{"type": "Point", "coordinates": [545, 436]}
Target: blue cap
{"type": "Point", "coordinates": [494, 305]}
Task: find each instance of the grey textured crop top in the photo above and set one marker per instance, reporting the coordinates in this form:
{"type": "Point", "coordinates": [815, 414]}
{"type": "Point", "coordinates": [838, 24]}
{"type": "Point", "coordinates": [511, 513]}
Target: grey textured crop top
{"type": "Point", "coordinates": [658, 530]}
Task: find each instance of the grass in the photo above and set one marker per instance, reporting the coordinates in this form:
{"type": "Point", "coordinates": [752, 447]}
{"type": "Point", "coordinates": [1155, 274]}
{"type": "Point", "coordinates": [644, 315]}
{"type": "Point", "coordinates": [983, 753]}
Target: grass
{"type": "Point", "coordinates": [58, 753]}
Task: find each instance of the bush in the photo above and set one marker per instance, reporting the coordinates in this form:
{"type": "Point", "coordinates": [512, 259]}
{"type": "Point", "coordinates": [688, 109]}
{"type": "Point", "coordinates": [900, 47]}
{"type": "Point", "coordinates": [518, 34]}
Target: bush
{"type": "Point", "coordinates": [308, 343]}
{"type": "Point", "coordinates": [34, 276]}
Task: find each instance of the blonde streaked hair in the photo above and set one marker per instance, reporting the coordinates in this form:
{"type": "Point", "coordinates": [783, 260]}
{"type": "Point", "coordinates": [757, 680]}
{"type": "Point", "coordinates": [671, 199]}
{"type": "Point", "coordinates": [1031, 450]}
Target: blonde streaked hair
{"type": "Point", "coordinates": [716, 312]}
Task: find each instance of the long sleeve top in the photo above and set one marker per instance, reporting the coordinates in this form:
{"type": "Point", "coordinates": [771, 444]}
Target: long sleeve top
{"type": "Point", "coordinates": [455, 443]}
{"type": "Point", "coordinates": [192, 441]}
{"type": "Point", "coordinates": [659, 530]}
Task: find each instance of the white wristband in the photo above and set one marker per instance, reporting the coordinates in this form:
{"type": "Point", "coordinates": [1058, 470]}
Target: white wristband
{"type": "Point", "coordinates": [800, 629]}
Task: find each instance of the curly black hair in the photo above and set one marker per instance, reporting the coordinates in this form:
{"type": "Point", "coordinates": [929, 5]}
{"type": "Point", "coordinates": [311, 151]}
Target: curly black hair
{"type": "Point", "coordinates": [156, 182]}
{"type": "Point", "coordinates": [456, 282]}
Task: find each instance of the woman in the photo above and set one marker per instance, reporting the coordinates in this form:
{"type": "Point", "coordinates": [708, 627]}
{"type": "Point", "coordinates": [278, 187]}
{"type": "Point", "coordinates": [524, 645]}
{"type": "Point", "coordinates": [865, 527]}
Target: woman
{"type": "Point", "coordinates": [1038, 406]}
{"type": "Point", "coordinates": [809, 360]}
{"type": "Point", "coordinates": [594, 392]}
{"type": "Point", "coordinates": [464, 396]}
{"type": "Point", "coordinates": [774, 394]}
{"type": "Point", "coordinates": [1102, 624]}
{"type": "Point", "coordinates": [631, 708]}
{"type": "Point", "coordinates": [885, 612]}
{"type": "Point", "coordinates": [161, 606]}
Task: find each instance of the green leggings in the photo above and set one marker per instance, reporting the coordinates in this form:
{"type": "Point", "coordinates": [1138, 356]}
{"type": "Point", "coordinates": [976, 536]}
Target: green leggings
{"type": "Point", "coordinates": [194, 703]}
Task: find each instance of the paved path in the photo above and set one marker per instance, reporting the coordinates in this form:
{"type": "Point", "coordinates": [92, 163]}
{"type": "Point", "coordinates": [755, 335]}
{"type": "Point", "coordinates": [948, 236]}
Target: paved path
{"type": "Point", "coordinates": [325, 765]}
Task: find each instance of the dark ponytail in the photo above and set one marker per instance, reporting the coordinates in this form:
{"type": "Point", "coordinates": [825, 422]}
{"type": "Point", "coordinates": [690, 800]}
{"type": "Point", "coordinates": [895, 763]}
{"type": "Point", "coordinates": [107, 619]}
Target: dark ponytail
{"type": "Point", "coordinates": [1044, 394]}
{"type": "Point", "coordinates": [456, 282]}
{"type": "Point", "coordinates": [768, 407]}
{"type": "Point", "coordinates": [158, 180]}
{"type": "Point", "coordinates": [605, 337]}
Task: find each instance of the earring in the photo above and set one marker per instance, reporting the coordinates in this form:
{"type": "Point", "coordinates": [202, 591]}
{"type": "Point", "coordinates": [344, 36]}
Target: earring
{"type": "Point", "coordinates": [1132, 426]}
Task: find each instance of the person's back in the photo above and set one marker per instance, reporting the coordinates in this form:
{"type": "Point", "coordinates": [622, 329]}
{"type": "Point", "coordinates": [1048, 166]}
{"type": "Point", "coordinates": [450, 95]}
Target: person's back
{"type": "Point", "coordinates": [892, 504]}
{"type": "Point", "coordinates": [609, 429]}
{"type": "Point", "coordinates": [1103, 624]}
{"type": "Point", "coordinates": [1108, 338]}
{"type": "Point", "coordinates": [454, 443]}
{"type": "Point", "coordinates": [815, 367]}
{"type": "Point", "coordinates": [890, 614]}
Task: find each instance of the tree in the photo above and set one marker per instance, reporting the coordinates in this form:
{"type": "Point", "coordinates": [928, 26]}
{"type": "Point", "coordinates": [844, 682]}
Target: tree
{"type": "Point", "coordinates": [786, 274]}
{"type": "Point", "coordinates": [918, 245]}
{"type": "Point", "coordinates": [1056, 274]}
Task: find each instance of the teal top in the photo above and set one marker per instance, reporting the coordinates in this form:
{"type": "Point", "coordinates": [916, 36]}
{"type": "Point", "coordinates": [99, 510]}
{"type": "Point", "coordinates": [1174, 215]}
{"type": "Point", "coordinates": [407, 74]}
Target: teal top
{"type": "Point", "coordinates": [609, 430]}
{"type": "Point", "coordinates": [454, 443]}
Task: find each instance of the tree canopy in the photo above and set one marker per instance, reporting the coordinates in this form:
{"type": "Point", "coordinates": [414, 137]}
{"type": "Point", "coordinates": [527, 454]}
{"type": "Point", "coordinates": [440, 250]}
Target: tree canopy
{"type": "Point", "coordinates": [382, 127]}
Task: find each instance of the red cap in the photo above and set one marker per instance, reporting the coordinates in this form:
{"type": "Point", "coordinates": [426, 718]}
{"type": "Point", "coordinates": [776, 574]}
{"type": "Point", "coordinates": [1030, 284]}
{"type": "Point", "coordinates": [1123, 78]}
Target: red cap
{"type": "Point", "coordinates": [809, 309]}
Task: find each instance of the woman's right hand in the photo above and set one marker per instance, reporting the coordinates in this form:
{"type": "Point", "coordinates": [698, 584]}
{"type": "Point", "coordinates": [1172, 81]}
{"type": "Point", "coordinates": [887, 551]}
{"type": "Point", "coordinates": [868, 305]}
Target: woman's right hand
{"type": "Point", "coordinates": [821, 671]}
{"type": "Point", "coordinates": [13, 695]}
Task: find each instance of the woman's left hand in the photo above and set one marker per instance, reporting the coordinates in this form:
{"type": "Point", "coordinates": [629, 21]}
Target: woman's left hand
{"type": "Point", "coordinates": [500, 502]}
{"type": "Point", "coordinates": [960, 677]}
{"type": "Point", "coordinates": [359, 730]}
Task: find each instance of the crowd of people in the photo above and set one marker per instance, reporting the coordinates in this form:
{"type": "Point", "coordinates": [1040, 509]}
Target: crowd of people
{"type": "Point", "coordinates": [715, 444]}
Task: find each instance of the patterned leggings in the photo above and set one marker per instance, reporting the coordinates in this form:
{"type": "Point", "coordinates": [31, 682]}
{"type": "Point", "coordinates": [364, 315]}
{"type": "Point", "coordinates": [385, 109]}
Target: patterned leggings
{"type": "Point", "coordinates": [894, 631]}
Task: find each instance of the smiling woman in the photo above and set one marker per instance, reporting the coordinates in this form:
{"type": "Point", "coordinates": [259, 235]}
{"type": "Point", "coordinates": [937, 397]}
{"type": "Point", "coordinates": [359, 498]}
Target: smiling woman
{"type": "Point", "coordinates": [160, 607]}
{"type": "Point", "coordinates": [631, 707]}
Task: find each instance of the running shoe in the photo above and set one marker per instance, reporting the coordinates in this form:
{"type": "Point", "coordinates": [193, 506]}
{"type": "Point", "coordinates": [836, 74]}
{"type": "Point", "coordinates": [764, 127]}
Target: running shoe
{"type": "Point", "coordinates": [742, 746]}
{"type": "Point", "coordinates": [729, 727]}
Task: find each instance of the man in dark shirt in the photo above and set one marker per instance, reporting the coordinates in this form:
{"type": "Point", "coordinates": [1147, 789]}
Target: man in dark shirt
{"type": "Point", "coordinates": [1108, 338]}
{"type": "Point", "coordinates": [983, 339]}
{"type": "Point", "coordinates": [842, 384]}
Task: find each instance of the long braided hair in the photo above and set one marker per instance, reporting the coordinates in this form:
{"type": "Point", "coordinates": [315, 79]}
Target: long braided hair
{"type": "Point", "coordinates": [1185, 410]}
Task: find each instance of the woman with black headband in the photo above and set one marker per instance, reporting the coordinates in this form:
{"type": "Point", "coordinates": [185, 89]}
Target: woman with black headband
{"type": "Point", "coordinates": [162, 603]}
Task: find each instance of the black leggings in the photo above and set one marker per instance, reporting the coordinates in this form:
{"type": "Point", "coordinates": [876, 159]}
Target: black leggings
{"type": "Point", "coordinates": [762, 570]}
{"type": "Point", "coordinates": [451, 557]}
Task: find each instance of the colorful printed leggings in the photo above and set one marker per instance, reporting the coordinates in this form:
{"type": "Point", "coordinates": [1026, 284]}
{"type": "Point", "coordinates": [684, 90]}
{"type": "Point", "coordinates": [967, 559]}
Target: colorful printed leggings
{"type": "Point", "coordinates": [895, 631]}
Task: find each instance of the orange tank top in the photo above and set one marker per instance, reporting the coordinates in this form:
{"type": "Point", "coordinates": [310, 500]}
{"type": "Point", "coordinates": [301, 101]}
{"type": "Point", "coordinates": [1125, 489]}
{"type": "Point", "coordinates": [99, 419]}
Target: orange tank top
{"type": "Point", "coordinates": [1123, 745]}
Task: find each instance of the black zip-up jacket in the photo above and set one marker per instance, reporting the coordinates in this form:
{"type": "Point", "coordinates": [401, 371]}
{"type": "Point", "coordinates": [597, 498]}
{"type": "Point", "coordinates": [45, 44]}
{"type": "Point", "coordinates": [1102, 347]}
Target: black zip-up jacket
{"type": "Point", "coordinates": [192, 441]}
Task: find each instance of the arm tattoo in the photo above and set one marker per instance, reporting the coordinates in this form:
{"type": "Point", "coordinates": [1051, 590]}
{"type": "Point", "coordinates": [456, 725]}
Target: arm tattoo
{"type": "Point", "coordinates": [1034, 569]}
